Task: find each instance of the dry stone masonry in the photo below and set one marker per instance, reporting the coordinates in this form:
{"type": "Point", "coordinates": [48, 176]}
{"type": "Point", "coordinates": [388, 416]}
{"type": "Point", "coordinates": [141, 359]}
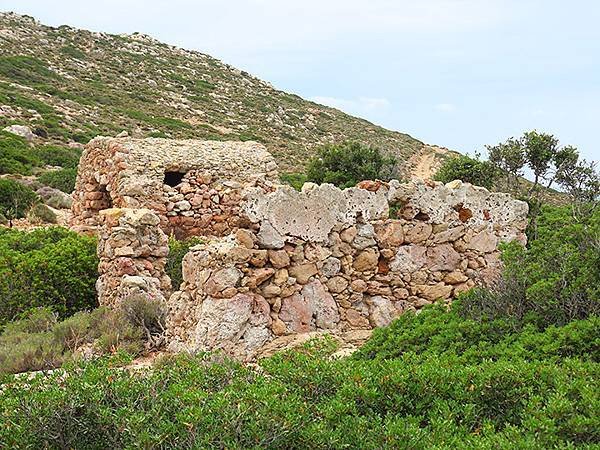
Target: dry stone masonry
{"type": "Point", "coordinates": [279, 265]}
{"type": "Point", "coordinates": [193, 186]}
{"type": "Point", "coordinates": [326, 259]}
{"type": "Point", "coordinates": [133, 253]}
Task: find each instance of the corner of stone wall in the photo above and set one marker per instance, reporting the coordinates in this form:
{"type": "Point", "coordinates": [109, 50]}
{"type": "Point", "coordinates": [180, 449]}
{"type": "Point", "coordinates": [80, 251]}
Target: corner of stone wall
{"type": "Point", "coordinates": [338, 261]}
{"type": "Point", "coordinates": [133, 253]}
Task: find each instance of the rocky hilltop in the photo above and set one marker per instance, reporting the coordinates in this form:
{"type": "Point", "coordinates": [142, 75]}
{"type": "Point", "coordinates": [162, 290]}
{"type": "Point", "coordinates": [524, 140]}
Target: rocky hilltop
{"type": "Point", "coordinates": [69, 85]}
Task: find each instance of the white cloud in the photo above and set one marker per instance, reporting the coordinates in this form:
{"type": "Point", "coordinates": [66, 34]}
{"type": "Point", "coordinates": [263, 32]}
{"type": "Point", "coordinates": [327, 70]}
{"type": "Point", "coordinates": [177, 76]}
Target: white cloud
{"type": "Point", "coordinates": [445, 107]}
{"type": "Point", "coordinates": [360, 106]}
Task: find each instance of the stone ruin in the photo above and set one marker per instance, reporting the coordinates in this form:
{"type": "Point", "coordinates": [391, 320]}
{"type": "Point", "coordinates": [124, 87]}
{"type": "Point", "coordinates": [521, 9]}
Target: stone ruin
{"type": "Point", "coordinates": [193, 186]}
{"type": "Point", "coordinates": [323, 260]}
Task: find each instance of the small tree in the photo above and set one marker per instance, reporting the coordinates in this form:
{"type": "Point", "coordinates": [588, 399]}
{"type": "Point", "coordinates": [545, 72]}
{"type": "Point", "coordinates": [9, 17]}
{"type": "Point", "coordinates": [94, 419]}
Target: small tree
{"type": "Point", "coordinates": [347, 164]}
{"type": "Point", "coordinates": [550, 165]}
{"type": "Point", "coordinates": [15, 199]}
{"type": "Point", "coordinates": [470, 170]}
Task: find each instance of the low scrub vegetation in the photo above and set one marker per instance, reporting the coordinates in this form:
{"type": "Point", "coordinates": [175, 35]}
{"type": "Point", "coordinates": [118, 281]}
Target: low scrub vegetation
{"type": "Point", "coordinates": [50, 267]}
{"type": "Point", "coordinates": [516, 366]}
{"type": "Point", "coordinates": [63, 179]}
{"type": "Point", "coordinates": [531, 390]}
{"type": "Point", "coordinates": [467, 169]}
{"type": "Point", "coordinates": [39, 341]}
{"type": "Point", "coordinates": [347, 164]}
{"type": "Point", "coordinates": [18, 157]}
{"type": "Point", "coordinates": [16, 199]}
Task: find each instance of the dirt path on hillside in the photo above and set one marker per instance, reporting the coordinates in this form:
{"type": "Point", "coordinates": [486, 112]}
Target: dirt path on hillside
{"type": "Point", "coordinates": [423, 165]}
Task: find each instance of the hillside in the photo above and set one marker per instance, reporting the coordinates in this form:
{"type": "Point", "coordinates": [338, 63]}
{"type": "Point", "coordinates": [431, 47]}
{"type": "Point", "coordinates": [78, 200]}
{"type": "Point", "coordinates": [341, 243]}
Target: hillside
{"type": "Point", "coordinates": [69, 85]}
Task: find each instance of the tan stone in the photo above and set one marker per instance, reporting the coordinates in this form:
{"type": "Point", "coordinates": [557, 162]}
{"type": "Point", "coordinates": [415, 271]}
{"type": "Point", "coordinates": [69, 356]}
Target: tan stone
{"type": "Point", "coordinates": [259, 276]}
{"type": "Point", "coordinates": [258, 258]}
{"type": "Point", "coordinates": [483, 242]}
{"type": "Point", "coordinates": [337, 284]}
{"type": "Point", "coordinates": [460, 288]}
{"type": "Point", "coordinates": [278, 327]}
{"type": "Point", "coordinates": [348, 234]}
{"type": "Point", "coordinates": [245, 238]}
{"type": "Point", "coordinates": [389, 233]}
{"type": "Point", "coordinates": [455, 277]}
{"type": "Point", "coordinates": [417, 232]}
{"type": "Point", "coordinates": [358, 285]}
{"type": "Point", "coordinates": [356, 319]}
{"type": "Point", "coordinates": [366, 260]}
{"type": "Point", "coordinates": [434, 292]}
{"type": "Point", "coordinates": [401, 293]}
{"type": "Point", "coordinates": [442, 257]}
{"type": "Point", "coordinates": [271, 290]}
{"type": "Point", "coordinates": [279, 258]}
{"type": "Point", "coordinates": [221, 279]}
{"type": "Point", "coordinates": [281, 277]}
{"type": "Point", "coordinates": [450, 235]}
{"type": "Point", "coordinates": [303, 272]}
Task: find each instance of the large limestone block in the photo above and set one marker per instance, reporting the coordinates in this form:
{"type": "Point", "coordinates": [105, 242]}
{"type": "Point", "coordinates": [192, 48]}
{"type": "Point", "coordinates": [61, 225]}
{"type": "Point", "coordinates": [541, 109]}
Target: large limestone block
{"type": "Point", "coordinates": [312, 213]}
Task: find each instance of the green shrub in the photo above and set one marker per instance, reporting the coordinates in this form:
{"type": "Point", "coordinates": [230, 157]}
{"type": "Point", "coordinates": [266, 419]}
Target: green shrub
{"type": "Point", "coordinates": [469, 170]}
{"type": "Point", "coordinates": [294, 179]}
{"type": "Point", "coordinates": [554, 280]}
{"type": "Point", "coordinates": [436, 331]}
{"type": "Point", "coordinates": [63, 179]}
{"type": "Point", "coordinates": [53, 155]}
{"type": "Point", "coordinates": [40, 213]}
{"type": "Point", "coordinates": [347, 164]}
{"type": "Point", "coordinates": [15, 199]}
{"type": "Point", "coordinates": [25, 70]}
{"type": "Point", "coordinates": [302, 399]}
{"type": "Point", "coordinates": [16, 156]}
{"type": "Point", "coordinates": [50, 267]}
{"type": "Point", "coordinates": [177, 250]}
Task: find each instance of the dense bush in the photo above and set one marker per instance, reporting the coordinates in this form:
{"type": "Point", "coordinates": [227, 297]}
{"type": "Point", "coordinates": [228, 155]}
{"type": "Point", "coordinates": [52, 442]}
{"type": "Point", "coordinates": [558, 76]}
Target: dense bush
{"type": "Point", "coordinates": [15, 154]}
{"type": "Point", "coordinates": [53, 155]}
{"type": "Point", "coordinates": [303, 399]}
{"type": "Point", "coordinates": [51, 267]}
{"type": "Point", "coordinates": [177, 250]}
{"type": "Point", "coordinates": [347, 164]}
{"type": "Point", "coordinates": [470, 170]}
{"type": "Point", "coordinates": [63, 179]}
{"type": "Point", "coordinates": [554, 280]}
{"type": "Point", "coordinates": [294, 179]}
{"type": "Point", "coordinates": [15, 199]}
{"type": "Point", "coordinates": [438, 331]}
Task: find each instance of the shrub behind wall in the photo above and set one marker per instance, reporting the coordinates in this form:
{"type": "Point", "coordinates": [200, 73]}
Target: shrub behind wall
{"type": "Point", "coordinates": [51, 267]}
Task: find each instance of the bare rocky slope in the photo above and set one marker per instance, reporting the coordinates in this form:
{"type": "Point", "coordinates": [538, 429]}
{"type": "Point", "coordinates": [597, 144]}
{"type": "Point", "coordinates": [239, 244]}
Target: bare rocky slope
{"type": "Point", "coordinates": [69, 85]}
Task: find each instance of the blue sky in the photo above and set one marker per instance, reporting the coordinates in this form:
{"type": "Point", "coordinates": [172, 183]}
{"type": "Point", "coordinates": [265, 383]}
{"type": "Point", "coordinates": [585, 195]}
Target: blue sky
{"type": "Point", "coordinates": [456, 73]}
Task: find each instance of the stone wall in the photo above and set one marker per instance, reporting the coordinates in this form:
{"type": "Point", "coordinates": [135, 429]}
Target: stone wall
{"type": "Point", "coordinates": [330, 260]}
{"type": "Point", "coordinates": [134, 173]}
{"type": "Point", "coordinates": [133, 253]}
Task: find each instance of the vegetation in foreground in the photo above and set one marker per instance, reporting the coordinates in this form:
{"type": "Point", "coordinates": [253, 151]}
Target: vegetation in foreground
{"type": "Point", "coordinates": [453, 383]}
{"type": "Point", "coordinates": [513, 367]}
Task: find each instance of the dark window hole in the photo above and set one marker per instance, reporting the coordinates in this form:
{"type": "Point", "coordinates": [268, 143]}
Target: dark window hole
{"type": "Point", "coordinates": [173, 178]}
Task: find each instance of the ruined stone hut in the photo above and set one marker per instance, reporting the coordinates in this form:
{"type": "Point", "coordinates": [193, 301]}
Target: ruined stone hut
{"type": "Point", "coordinates": [193, 186]}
